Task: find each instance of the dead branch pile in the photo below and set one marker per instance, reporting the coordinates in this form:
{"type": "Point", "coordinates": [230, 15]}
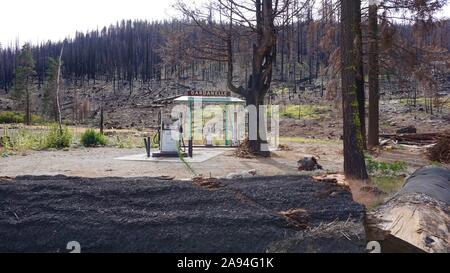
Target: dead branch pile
{"type": "Point", "coordinates": [207, 182]}
{"type": "Point", "coordinates": [243, 150]}
{"type": "Point", "coordinates": [441, 151]}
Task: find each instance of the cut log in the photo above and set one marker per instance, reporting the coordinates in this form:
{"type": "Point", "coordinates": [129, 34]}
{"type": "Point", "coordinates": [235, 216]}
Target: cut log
{"type": "Point", "coordinates": [417, 218]}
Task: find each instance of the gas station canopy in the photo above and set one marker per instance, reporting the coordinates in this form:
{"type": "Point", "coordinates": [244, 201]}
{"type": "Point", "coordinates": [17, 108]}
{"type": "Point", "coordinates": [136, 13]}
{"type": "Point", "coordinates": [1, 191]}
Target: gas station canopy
{"type": "Point", "coordinates": [223, 100]}
{"type": "Point", "coordinates": [218, 97]}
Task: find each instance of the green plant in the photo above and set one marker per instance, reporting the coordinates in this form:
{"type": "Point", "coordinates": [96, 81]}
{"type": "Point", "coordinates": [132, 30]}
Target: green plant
{"type": "Point", "coordinates": [92, 138]}
{"type": "Point", "coordinates": [23, 139]}
{"type": "Point", "coordinates": [11, 117]}
{"type": "Point", "coordinates": [36, 119]}
{"type": "Point", "coordinates": [181, 157]}
{"type": "Point", "coordinates": [56, 138]}
{"type": "Point", "coordinates": [388, 184]}
{"type": "Point", "coordinates": [5, 143]}
{"type": "Point", "coordinates": [15, 117]}
{"type": "Point", "coordinates": [304, 111]}
{"type": "Point", "coordinates": [385, 168]}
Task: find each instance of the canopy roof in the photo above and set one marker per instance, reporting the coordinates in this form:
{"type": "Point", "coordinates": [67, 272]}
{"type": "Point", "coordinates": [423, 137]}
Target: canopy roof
{"type": "Point", "coordinates": [224, 100]}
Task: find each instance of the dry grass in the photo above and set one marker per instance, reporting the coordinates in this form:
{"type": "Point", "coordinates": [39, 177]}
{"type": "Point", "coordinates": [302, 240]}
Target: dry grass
{"type": "Point", "coordinates": [362, 196]}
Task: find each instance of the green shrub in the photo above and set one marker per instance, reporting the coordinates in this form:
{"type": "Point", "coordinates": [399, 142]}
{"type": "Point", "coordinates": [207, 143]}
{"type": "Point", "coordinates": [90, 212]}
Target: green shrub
{"type": "Point", "coordinates": [15, 117]}
{"type": "Point", "coordinates": [23, 139]}
{"type": "Point", "coordinates": [385, 168]}
{"type": "Point", "coordinates": [309, 112]}
{"type": "Point", "coordinates": [4, 143]}
{"type": "Point", "coordinates": [388, 184]}
{"type": "Point", "coordinates": [11, 117]}
{"type": "Point", "coordinates": [35, 119]}
{"type": "Point", "coordinates": [58, 139]}
{"type": "Point", "coordinates": [92, 138]}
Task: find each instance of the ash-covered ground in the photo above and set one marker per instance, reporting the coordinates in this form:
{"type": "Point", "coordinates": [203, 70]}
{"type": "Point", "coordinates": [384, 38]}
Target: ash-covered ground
{"type": "Point", "coordinates": [259, 214]}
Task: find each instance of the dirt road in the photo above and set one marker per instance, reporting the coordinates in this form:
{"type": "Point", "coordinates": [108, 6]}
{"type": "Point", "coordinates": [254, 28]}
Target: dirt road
{"type": "Point", "coordinates": [42, 214]}
{"type": "Point", "coordinates": [101, 162]}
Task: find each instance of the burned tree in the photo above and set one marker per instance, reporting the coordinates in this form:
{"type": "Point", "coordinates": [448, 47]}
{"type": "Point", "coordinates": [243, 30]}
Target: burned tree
{"type": "Point", "coordinates": [374, 93]}
{"type": "Point", "coordinates": [400, 56]}
{"type": "Point", "coordinates": [58, 83]}
{"type": "Point", "coordinates": [354, 164]}
{"type": "Point", "coordinates": [360, 93]}
{"type": "Point", "coordinates": [222, 23]}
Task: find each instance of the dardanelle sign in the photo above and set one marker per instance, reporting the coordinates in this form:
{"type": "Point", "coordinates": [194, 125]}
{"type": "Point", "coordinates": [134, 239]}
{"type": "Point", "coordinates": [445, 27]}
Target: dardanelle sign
{"type": "Point", "coordinates": [209, 93]}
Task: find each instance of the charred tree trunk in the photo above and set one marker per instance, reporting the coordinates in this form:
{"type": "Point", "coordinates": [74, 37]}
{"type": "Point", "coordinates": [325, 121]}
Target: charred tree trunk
{"type": "Point", "coordinates": [282, 56]}
{"type": "Point", "coordinates": [58, 80]}
{"type": "Point", "coordinates": [262, 68]}
{"type": "Point", "coordinates": [374, 97]}
{"type": "Point", "coordinates": [354, 164]}
{"type": "Point", "coordinates": [101, 119]}
{"type": "Point", "coordinates": [27, 104]}
{"type": "Point", "coordinates": [360, 94]}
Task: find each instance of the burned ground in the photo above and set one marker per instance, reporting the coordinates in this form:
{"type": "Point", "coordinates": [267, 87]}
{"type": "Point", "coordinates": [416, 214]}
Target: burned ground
{"type": "Point", "coordinates": [44, 213]}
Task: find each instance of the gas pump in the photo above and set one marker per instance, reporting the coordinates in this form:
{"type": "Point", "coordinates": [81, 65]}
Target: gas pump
{"type": "Point", "coordinates": [169, 138]}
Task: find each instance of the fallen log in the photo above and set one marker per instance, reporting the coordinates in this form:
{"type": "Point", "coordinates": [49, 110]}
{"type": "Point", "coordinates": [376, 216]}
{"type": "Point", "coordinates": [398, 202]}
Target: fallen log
{"type": "Point", "coordinates": [417, 218]}
{"type": "Point", "coordinates": [148, 105]}
{"type": "Point", "coordinates": [414, 138]}
{"type": "Point", "coordinates": [171, 98]}
{"type": "Point", "coordinates": [407, 130]}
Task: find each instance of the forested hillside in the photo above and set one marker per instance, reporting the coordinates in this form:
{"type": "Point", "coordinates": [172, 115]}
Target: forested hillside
{"type": "Point", "coordinates": [134, 65]}
{"type": "Point", "coordinates": [131, 51]}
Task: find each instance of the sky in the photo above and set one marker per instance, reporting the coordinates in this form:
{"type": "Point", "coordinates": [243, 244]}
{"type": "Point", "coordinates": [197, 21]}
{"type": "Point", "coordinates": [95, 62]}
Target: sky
{"type": "Point", "coordinates": [41, 20]}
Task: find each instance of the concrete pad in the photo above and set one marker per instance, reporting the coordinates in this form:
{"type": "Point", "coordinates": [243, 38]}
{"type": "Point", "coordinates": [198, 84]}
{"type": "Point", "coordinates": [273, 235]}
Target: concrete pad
{"type": "Point", "coordinates": [200, 155]}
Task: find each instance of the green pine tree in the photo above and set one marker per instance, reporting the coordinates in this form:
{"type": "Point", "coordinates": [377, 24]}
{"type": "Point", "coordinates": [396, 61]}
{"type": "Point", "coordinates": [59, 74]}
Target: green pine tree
{"type": "Point", "coordinates": [49, 96]}
{"type": "Point", "coordinates": [23, 83]}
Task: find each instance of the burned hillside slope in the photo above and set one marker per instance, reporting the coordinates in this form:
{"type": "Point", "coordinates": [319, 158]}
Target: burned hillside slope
{"type": "Point", "coordinates": [260, 214]}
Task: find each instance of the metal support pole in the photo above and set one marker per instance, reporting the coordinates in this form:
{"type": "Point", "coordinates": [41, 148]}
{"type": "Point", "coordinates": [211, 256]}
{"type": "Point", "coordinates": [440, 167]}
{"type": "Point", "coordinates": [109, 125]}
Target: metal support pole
{"type": "Point", "coordinates": [190, 148]}
{"type": "Point", "coordinates": [190, 142]}
{"type": "Point", "coordinates": [226, 124]}
{"type": "Point", "coordinates": [190, 118]}
{"type": "Point", "coordinates": [147, 145]}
